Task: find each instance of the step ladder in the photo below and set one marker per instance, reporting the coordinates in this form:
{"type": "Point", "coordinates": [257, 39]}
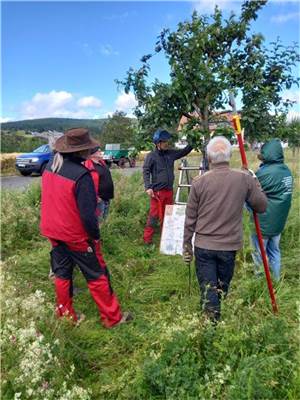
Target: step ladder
{"type": "Point", "coordinates": [185, 181]}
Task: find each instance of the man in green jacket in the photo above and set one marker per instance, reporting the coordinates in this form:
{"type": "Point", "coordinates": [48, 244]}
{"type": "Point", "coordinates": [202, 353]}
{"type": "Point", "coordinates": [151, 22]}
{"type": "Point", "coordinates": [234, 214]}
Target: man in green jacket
{"type": "Point", "coordinates": [277, 183]}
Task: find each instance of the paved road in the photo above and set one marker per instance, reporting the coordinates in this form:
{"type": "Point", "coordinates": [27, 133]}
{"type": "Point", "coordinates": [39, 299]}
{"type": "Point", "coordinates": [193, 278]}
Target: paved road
{"type": "Point", "coordinates": [18, 182]}
{"type": "Point", "coordinates": [22, 182]}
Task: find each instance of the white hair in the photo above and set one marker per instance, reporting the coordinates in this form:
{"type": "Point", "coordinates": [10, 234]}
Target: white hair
{"type": "Point", "coordinates": [218, 150]}
{"type": "Point", "coordinates": [57, 162]}
{"type": "Point", "coordinates": [51, 142]}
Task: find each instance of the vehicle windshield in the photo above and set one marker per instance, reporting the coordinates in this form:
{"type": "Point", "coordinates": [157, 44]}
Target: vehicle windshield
{"type": "Point", "coordinates": [42, 149]}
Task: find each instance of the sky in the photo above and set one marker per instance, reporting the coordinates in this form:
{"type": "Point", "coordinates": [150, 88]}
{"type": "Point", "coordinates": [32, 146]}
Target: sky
{"type": "Point", "coordinates": [61, 59]}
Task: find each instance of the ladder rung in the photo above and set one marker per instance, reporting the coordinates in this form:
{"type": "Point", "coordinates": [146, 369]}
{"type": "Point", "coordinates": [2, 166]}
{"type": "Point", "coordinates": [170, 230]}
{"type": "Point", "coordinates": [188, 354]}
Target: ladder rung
{"type": "Point", "coordinates": [180, 203]}
{"type": "Point", "coordinates": [189, 168]}
{"type": "Point", "coordinates": [184, 185]}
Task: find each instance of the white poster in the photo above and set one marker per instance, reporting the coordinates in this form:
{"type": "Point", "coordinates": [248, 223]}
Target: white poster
{"type": "Point", "coordinates": [172, 231]}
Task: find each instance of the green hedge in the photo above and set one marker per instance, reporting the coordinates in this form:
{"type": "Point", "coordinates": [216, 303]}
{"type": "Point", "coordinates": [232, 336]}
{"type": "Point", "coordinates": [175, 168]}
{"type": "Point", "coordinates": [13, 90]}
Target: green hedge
{"type": "Point", "coordinates": [19, 142]}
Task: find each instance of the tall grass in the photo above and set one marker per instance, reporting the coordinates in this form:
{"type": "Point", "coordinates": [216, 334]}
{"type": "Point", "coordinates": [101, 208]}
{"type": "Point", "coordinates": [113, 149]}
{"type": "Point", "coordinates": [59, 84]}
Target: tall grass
{"type": "Point", "coordinates": [169, 351]}
{"type": "Point", "coordinates": [7, 162]}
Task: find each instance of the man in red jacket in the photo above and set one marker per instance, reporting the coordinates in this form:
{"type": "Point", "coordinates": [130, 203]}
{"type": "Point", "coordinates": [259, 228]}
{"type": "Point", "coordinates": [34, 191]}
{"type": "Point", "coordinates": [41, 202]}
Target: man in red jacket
{"type": "Point", "coordinates": [69, 221]}
{"type": "Point", "coordinates": [103, 182]}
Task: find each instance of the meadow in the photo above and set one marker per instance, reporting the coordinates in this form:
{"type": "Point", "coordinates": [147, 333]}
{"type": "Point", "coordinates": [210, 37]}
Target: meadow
{"type": "Point", "coordinates": [169, 351]}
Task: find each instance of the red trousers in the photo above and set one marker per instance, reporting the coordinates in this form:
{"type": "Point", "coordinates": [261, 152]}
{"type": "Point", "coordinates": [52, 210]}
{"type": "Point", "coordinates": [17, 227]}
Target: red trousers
{"type": "Point", "coordinates": [157, 211]}
{"type": "Point", "coordinates": [91, 263]}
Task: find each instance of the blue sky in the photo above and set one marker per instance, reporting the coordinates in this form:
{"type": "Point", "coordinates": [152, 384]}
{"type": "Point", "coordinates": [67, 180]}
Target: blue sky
{"type": "Point", "coordinates": [60, 59]}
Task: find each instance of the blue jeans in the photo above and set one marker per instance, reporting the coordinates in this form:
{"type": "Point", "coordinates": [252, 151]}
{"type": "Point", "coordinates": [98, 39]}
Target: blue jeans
{"type": "Point", "coordinates": [271, 245]}
{"type": "Point", "coordinates": [103, 210]}
{"type": "Point", "coordinates": [214, 270]}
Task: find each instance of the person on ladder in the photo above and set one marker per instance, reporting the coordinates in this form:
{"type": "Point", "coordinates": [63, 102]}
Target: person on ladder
{"type": "Point", "coordinates": [158, 173]}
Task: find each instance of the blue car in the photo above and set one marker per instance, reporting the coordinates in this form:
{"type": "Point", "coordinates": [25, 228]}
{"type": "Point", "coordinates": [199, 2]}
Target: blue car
{"type": "Point", "coordinates": [35, 161]}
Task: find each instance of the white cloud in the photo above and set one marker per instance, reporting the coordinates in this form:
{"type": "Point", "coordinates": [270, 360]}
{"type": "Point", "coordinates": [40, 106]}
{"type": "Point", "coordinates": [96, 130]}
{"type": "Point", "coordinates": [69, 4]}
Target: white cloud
{"type": "Point", "coordinates": [208, 6]}
{"type": "Point", "coordinates": [292, 95]}
{"type": "Point", "coordinates": [96, 116]}
{"type": "Point", "coordinates": [59, 104]}
{"type": "Point", "coordinates": [293, 115]}
{"type": "Point", "coordinates": [107, 114]}
{"type": "Point", "coordinates": [282, 18]}
{"type": "Point", "coordinates": [46, 104]}
{"type": "Point", "coordinates": [89, 101]}
{"type": "Point", "coordinates": [65, 113]}
{"type": "Point", "coordinates": [4, 119]}
{"type": "Point", "coordinates": [130, 115]}
{"type": "Point", "coordinates": [107, 50]}
{"type": "Point", "coordinates": [125, 102]}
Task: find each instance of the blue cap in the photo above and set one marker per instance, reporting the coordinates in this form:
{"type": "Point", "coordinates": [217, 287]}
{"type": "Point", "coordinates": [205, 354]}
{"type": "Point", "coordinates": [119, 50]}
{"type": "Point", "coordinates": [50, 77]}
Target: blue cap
{"type": "Point", "coordinates": [161, 136]}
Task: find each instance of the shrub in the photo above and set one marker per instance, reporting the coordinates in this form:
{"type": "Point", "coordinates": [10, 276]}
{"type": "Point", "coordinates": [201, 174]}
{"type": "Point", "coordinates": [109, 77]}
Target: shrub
{"type": "Point", "coordinates": [32, 367]}
{"type": "Point", "coordinates": [8, 163]}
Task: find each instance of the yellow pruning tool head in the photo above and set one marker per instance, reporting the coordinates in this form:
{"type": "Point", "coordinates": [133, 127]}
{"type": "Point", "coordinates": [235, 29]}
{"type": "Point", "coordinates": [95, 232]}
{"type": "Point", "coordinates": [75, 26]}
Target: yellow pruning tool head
{"type": "Point", "coordinates": [237, 124]}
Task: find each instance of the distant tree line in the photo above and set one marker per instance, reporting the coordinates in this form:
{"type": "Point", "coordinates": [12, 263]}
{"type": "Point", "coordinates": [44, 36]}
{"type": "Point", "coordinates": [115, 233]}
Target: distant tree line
{"type": "Point", "coordinates": [16, 136]}
{"type": "Point", "coordinates": [53, 124]}
{"type": "Point", "coordinates": [18, 142]}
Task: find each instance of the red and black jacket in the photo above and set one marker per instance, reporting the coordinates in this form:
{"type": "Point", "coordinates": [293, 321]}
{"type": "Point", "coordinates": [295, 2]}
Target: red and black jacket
{"type": "Point", "coordinates": [69, 203]}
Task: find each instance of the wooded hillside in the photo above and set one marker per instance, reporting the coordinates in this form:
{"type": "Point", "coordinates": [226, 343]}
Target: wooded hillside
{"type": "Point", "coordinates": [57, 124]}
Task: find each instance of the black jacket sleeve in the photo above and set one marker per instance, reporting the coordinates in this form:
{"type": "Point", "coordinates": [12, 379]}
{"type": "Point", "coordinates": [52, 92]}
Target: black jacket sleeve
{"type": "Point", "coordinates": [87, 202]}
{"type": "Point", "coordinates": [147, 171]}
{"type": "Point", "coordinates": [106, 184]}
{"type": "Point", "coordinates": [182, 152]}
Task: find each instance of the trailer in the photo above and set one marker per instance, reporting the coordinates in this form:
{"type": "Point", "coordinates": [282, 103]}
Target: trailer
{"type": "Point", "coordinates": [113, 153]}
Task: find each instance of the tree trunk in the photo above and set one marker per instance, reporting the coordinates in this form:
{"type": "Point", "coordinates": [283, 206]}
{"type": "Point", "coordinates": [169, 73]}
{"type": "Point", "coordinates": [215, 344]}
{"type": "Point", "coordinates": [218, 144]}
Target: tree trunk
{"type": "Point", "coordinates": [204, 165]}
{"type": "Point", "coordinates": [204, 115]}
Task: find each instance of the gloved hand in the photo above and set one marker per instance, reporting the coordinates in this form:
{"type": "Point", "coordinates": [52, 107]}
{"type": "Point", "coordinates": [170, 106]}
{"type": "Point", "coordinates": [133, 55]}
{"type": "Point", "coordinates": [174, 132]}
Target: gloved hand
{"type": "Point", "coordinates": [150, 192]}
{"type": "Point", "coordinates": [250, 172]}
{"type": "Point", "coordinates": [187, 254]}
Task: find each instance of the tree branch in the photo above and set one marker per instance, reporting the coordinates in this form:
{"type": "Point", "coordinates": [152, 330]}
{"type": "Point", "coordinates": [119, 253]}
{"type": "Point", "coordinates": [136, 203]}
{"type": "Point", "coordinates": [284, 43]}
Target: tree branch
{"type": "Point", "coordinates": [187, 115]}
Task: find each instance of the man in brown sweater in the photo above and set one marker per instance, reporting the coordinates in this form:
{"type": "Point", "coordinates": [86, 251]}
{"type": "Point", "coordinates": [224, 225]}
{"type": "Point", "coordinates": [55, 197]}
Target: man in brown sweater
{"type": "Point", "coordinates": [214, 213]}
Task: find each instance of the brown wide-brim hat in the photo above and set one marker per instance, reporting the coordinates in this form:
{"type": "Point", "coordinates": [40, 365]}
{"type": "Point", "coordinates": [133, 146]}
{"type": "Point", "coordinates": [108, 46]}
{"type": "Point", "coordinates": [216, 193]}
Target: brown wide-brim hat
{"type": "Point", "coordinates": [73, 140]}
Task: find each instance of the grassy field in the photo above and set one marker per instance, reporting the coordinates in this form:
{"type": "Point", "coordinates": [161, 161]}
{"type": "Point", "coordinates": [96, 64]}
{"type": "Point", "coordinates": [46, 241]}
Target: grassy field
{"type": "Point", "coordinates": [168, 351]}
